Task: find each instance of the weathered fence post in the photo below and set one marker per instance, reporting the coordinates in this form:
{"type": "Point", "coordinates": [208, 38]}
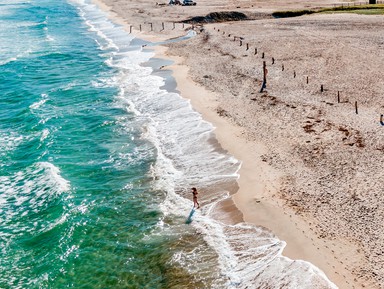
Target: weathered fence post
{"type": "Point", "coordinates": [130, 29]}
{"type": "Point", "coordinates": [151, 26]}
{"type": "Point", "coordinates": [307, 79]}
{"type": "Point", "coordinates": [140, 27]}
{"type": "Point", "coordinates": [162, 26]}
{"type": "Point", "coordinates": [321, 88]}
{"type": "Point", "coordinates": [265, 71]}
{"type": "Point", "coordinates": [282, 67]}
{"type": "Point", "coordinates": [294, 74]}
{"type": "Point", "coordinates": [255, 51]}
{"type": "Point", "coordinates": [357, 112]}
{"type": "Point", "coordinates": [262, 55]}
{"type": "Point", "coordinates": [338, 96]}
{"type": "Point", "coordinates": [247, 46]}
{"type": "Point", "coordinates": [273, 60]}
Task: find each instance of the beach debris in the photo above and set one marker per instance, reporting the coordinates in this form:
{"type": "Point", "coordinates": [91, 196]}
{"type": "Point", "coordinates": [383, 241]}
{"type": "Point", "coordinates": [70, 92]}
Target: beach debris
{"type": "Point", "coordinates": [222, 112]}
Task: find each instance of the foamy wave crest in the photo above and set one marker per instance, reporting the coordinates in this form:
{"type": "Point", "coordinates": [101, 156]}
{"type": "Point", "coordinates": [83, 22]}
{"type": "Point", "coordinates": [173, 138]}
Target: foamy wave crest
{"type": "Point", "coordinates": [38, 104]}
{"type": "Point", "coordinates": [8, 60]}
{"type": "Point", "coordinates": [104, 28]}
{"type": "Point", "coordinates": [9, 141]}
{"type": "Point", "coordinates": [52, 177]}
{"type": "Point", "coordinates": [251, 257]}
{"type": "Point", "coordinates": [30, 190]}
{"type": "Point", "coordinates": [31, 205]}
{"type": "Point", "coordinates": [41, 179]}
{"type": "Point", "coordinates": [44, 134]}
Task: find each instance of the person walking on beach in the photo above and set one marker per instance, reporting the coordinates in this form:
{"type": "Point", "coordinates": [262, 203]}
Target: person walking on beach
{"type": "Point", "coordinates": [195, 202]}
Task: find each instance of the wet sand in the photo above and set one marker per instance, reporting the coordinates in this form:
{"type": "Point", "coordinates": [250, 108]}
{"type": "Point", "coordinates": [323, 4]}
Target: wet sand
{"type": "Point", "coordinates": [312, 168]}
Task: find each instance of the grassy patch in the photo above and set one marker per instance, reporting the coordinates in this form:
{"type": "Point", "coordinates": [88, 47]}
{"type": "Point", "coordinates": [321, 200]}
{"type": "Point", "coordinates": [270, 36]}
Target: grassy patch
{"type": "Point", "coordinates": [373, 9]}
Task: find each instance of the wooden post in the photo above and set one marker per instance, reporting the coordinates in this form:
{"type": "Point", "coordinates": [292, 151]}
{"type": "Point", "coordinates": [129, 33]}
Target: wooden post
{"type": "Point", "coordinates": [130, 29]}
{"type": "Point", "coordinates": [321, 88]}
{"type": "Point", "coordinates": [307, 79]}
{"type": "Point", "coordinates": [234, 38]}
{"type": "Point", "coordinates": [241, 43]}
{"type": "Point", "coordinates": [273, 60]}
{"type": "Point", "coordinates": [338, 96]}
{"type": "Point", "coordinates": [247, 46]}
{"type": "Point", "coordinates": [265, 71]}
{"type": "Point", "coordinates": [262, 55]}
{"type": "Point", "coordinates": [151, 26]}
{"type": "Point", "coordinates": [294, 74]}
{"type": "Point", "coordinates": [140, 27]}
{"type": "Point", "coordinates": [357, 112]}
{"type": "Point", "coordinates": [282, 67]}
{"type": "Point", "coordinates": [162, 25]}
{"type": "Point", "coordinates": [173, 26]}
{"type": "Point", "coordinates": [255, 51]}
{"type": "Point", "coordinates": [183, 25]}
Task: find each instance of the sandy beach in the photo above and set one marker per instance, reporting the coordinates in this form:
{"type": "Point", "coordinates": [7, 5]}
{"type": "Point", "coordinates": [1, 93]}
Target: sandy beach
{"type": "Point", "coordinates": [311, 144]}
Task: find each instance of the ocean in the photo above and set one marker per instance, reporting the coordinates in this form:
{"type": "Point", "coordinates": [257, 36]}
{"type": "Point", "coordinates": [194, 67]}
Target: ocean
{"type": "Point", "coordinates": [98, 153]}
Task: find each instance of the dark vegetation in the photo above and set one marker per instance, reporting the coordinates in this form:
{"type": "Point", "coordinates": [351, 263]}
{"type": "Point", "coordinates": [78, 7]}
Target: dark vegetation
{"type": "Point", "coordinates": [360, 9]}
{"type": "Point", "coordinates": [216, 17]}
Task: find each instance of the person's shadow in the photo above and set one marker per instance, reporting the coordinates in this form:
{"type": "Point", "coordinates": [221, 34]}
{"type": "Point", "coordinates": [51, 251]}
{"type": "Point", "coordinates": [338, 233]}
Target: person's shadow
{"type": "Point", "coordinates": [189, 219]}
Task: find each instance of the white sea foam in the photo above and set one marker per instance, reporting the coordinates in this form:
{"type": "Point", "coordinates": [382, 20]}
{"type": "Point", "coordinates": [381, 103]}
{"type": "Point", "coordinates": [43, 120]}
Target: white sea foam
{"type": "Point", "coordinates": [28, 191]}
{"type": "Point", "coordinates": [3, 62]}
{"type": "Point", "coordinates": [38, 104]}
{"type": "Point", "coordinates": [9, 141]}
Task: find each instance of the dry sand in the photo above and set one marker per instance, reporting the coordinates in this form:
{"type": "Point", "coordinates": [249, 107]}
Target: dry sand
{"type": "Point", "coordinates": [312, 169]}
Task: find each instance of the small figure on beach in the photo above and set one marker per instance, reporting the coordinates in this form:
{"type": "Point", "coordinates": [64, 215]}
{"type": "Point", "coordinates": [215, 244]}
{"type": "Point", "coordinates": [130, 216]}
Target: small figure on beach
{"type": "Point", "coordinates": [195, 202]}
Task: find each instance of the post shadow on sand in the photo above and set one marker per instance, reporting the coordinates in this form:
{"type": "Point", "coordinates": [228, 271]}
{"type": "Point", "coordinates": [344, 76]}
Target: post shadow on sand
{"type": "Point", "coordinates": [189, 219]}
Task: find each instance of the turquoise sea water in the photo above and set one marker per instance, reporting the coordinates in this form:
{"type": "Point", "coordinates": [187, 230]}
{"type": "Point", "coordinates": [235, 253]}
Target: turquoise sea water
{"type": "Point", "coordinates": [96, 163]}
{"type": "Point", "coordinates": [79, 200]}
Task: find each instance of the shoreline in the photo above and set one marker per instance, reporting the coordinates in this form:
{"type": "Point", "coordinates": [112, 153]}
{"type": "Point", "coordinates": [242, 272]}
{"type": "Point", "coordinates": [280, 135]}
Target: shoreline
{"type": "Point", "coordinates": [255, 188]}
{"type": "Point", "coordinates": [203, 101]}
{"type": "Point", "coordinates": [257, 195]}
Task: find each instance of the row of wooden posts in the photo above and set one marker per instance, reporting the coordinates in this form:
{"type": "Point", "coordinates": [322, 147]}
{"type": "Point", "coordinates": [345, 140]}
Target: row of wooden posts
{"type": "Point", "coordinates": [151, 27]}
{"type": "Point", "coordinates": [241, 39]}
{"type": "Point", "coordinates": [265, 72]}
